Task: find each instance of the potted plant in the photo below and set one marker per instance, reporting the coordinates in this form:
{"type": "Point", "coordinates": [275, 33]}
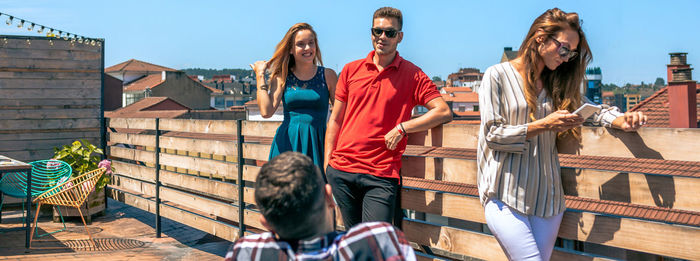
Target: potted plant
{"type": "Point", "coordinates": [83, 157]}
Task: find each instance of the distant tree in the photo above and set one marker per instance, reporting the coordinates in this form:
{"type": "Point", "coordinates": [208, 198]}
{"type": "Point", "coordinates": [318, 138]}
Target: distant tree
{"type": "Point", "coordinates": [659, 82]}
{"type": "Point", "coordinates": [437, 79]}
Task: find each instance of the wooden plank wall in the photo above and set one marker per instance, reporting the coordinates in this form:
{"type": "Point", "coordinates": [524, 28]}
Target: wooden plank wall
{"type": "Point", "coordinates": [446, 224]}
{"type": "Point", "coordinates": [50, 95]}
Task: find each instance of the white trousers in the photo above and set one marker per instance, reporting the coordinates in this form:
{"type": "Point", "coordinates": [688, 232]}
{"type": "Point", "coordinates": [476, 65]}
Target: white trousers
{"type": "Point", "coordinates": [522, 237]}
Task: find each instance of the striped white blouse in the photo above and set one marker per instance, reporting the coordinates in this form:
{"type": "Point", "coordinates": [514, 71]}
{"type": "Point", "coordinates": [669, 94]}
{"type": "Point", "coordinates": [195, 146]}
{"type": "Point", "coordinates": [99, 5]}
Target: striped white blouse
{"type": "Point", "coordinates": [522, 173]}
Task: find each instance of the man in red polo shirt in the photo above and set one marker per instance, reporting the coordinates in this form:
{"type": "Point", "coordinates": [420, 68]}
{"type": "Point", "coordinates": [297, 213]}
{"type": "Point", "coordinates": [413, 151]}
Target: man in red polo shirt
{"type": "Point", "coordinates": [367, 129]}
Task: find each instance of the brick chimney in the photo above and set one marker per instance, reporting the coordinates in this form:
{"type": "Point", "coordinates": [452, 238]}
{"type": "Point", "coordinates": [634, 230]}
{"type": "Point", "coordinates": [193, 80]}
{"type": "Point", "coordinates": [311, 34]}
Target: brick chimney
{"type": "Point", "coordinates": [681, 93]}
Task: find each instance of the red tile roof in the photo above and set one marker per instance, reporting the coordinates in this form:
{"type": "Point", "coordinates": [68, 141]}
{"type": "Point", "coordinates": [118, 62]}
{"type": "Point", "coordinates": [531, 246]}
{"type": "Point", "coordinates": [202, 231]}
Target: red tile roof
{"type": "Point", "coordinates": [457, 89]}
{"type": "Point", "coordinates": [657, 110]}
{"type": "Point", "coordinates": [140, 109]}
{"type": "Point", "coordinates": [134, 65]}
{"type": "Point", "coordinates": [461, 97]}
{"type": "Point", "coordinates": [154, 80]}
{"type": "Point", "coordinates": [149, 81]}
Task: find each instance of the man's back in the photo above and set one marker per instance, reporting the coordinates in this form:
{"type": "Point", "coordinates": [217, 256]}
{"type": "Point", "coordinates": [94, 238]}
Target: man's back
{"type": "Point", "coordinates": [366, 241]}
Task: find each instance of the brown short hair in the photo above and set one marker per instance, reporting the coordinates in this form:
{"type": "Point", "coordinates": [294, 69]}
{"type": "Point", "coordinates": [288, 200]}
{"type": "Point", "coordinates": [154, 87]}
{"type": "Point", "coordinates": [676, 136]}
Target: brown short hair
{"type": "Point", "coordinates": [288, 190]}
{"type": "Point", "coordinates": [389, 12]}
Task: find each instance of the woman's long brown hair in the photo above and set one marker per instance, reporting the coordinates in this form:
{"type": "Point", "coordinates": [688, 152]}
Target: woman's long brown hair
{"type": "Point", "coordinates": [282, 60]}
{"type": "Point", "coordinates": [564, 83]}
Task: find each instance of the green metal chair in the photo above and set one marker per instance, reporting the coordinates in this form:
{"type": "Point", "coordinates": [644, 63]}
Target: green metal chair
{"type": "Point", "coordinates": [46, 174]}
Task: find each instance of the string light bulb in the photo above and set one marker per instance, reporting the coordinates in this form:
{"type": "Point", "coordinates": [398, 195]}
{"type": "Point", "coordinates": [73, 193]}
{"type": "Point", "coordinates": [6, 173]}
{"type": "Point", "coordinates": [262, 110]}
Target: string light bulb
{"type": "Point", "coordinates": [51, 42]}
{"type": "Point", "coordinates": [99, 43]}
{"type": "Point", "coordinates": [59, 34]}
{"type": "Point", "coordinates": [92, 42]}
{"type": "Point", "coordinates": [40, 30]}
{"type": "Point", "coordinates": [31, 27]}
{"type": "Point", "coordinates": [80, 39]}
{"type": "Point", "coordinates": [29, 42]}
{"type": "Point", "coordinates": [65, 37]}
{"type": "Point", "coordinates": [50, 33]}
{"type": "Point", "coordinates": [9, 20]}
{"type": "Point", "coordinates": [21, 24]}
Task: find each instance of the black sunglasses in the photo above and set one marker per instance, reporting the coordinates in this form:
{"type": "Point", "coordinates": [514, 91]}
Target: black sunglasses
{"type": "Point", "coordinates": [391, 33]}
{"type": "Point", "coordinates": [563, 51]}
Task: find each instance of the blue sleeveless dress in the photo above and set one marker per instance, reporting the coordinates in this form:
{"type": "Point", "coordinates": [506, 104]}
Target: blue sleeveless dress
{"type": "Point", "coordinates": [305, 105]}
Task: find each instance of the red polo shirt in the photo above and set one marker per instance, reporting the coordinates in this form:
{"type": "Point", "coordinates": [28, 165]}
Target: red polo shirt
{"type": "Point", "coordinates": [375, 102]}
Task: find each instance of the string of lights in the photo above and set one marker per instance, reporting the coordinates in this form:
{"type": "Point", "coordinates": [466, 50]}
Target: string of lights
{"type": "Point", "coordinates": [50, 32]}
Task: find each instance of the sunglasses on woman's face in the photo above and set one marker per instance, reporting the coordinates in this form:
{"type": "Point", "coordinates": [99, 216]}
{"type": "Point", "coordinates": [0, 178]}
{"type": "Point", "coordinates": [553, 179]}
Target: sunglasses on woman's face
{"type": "Point", "coordinates": [390, 33]}
{"type": "Point", "coordinates": [563, 51]}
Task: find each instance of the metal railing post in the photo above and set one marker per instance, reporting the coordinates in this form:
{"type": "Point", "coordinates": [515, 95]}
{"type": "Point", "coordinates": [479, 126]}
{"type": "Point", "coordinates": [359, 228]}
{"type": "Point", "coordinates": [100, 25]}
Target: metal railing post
{"type": "Point", "coordinates": [157, 150]}
{"type": "Point", "coordinates": [241, 183]}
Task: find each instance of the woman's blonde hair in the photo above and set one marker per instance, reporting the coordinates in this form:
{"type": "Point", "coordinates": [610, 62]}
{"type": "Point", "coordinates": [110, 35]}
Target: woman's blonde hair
{"type": "Point", "coordinates": [562, 84]}
{"type": "Point", "coordinates": [282, 60]}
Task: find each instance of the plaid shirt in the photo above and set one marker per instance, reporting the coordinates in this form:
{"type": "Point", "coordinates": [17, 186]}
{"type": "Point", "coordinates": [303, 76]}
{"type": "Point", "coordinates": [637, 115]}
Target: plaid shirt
{"type": "Point", "coordinates": [365, 241]}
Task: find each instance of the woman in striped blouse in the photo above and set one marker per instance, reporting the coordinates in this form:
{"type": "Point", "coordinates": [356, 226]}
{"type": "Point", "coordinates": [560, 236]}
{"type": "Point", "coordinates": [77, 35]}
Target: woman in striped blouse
{"type": "Point", "coordinates": [526, 107]}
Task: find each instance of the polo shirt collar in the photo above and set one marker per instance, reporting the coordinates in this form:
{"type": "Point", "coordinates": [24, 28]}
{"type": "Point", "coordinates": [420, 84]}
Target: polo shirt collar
{"type": "Point", "coordinates": [395, 63]}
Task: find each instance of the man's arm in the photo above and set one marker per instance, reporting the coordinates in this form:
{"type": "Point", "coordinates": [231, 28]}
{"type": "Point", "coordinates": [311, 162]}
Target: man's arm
{"type": "Point", "coordinates": [438, 113]}
{"type": "Point", "coordinates": [334, 123]}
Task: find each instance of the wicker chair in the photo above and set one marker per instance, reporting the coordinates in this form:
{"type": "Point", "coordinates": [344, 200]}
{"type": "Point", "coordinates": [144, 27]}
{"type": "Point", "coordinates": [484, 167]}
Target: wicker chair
{"type": "Point", "coordinates": [71, 193]}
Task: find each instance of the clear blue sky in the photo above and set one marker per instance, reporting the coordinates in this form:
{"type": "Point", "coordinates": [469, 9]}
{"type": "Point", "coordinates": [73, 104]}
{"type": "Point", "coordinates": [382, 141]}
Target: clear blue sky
{"type": "Point", "coordinates": [630, 40]}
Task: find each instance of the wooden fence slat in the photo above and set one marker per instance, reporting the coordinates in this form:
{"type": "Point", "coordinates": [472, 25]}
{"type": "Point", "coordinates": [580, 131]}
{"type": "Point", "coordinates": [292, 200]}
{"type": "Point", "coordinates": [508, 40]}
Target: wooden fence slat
{"type": "Point", "coordinates": [49, 124]}
{"type": "Point", "coordinates": [218, 147]}
{"type": "Point", "coordinates": [7, 93]}
{"type": "Point", "coordinates": [199, 126]}
{"type": "Point", "coordinates": [21, 145]}
{"type": "Point", "coordinates": [133, 154]}
{"type": "Point", "coordinates": [256, 151]}
{"type": "Point", "coordinates": [54, 84]}
{"type": "Point", "coordinates": [639, 235]}
{"type": "Point", "coordinates": [215, 167]}
{"type": "Point", "coordinates": [221, 189]}
{"type": "Point", "coordinates": [70, 55]}
{"type": "Point", "coordinates": [446, 169]}
{"type": "Point", "coordinates": [260, 128]}
{"type": "Point", "coordinates": [443, 204]}
{"type": "Point", "coordinates": [47, 103]}
{"type": "Point", "coordinates": [250, 173]}
{"type": "Point", "coordinates": [133, 123]}
{"type": "Point", "coordinates": [148, 189]}
{"type": "Point", "coordinates": [134, 171]}
{"type": "Point", "coordinates": [44, 114]}
{"type": "Point", "coordinates": [454, 240]}
{"type": "Point", "coordinates": [133, 139]}
{"type": "Point", "coordinates": [636, 188]}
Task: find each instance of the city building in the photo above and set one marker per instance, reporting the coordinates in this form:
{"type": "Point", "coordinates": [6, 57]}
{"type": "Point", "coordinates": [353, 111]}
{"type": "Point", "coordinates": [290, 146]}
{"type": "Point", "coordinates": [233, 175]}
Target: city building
{"type": "Point", "coordinates": [632, 99]}
{"type": "Point", "coordinates": [233, 92]}
{"type": "Point", "coordinates": [133, 69]}
{"type": "Point", "coordinates": [172, 84]}
{"type": "Point", "coordinates": [593, 84]}
{"type": "Point", "coordinates": [253, 112]}
{"type": "Point", "coordinates": [465, 77]}
{"type": "Point", "coordinates": [508, 54]}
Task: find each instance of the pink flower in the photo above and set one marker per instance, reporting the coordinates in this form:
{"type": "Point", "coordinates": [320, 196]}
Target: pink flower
{"type": "Point", "coordinates": [107, 165]}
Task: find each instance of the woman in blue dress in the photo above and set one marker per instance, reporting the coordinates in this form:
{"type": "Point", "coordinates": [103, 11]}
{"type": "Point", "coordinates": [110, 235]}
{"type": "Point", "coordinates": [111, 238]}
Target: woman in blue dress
{"type": "Point", "coordinates": [305, 88]}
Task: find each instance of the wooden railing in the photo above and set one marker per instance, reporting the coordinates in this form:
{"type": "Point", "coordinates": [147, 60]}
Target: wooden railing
{"type": "Point", "coordinates": [628, 195]}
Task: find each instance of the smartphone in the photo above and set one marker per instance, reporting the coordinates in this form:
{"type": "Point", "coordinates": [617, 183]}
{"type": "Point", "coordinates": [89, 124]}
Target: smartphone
{"type": "Point", "coordinates": [587, 109]}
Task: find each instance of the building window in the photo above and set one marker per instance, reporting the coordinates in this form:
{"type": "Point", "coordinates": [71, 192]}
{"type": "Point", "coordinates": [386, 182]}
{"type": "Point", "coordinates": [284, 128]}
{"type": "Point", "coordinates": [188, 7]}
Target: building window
{"type": "Point", "coordinates": [229, 103]}
{"type": "Point", "coordinates": [219, 102]}
{"type": "Point", "coordinates": [476, 107]}
{"type": "Point", "coordinates": [462, 108]}
{"type": "Point", "coordinates": [133, 97]}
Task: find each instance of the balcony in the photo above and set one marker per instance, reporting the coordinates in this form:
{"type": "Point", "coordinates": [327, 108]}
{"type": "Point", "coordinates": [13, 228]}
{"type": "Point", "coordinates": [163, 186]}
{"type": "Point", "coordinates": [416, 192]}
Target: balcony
{"type": "Point", "coordinates": [629, 195]}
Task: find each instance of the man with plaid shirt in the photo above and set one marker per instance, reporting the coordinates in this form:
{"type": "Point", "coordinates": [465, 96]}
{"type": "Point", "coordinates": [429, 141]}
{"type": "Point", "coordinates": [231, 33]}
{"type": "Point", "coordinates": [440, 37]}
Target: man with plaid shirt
{"type": "Point", "coordinates": [297, 208]}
